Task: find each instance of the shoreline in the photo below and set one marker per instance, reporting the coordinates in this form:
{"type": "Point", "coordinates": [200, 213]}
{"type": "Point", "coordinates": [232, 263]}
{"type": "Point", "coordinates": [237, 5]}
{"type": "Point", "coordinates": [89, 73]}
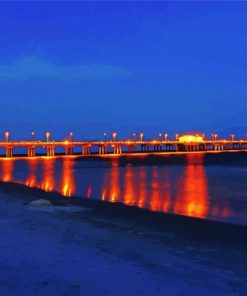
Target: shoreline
{"type": "Point", "coordinates": [180, 225]}
{"type": "Point", "coordinates": [90, 247]}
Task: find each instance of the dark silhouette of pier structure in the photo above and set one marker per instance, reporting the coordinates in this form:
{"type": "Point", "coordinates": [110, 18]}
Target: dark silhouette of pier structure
{"type": "Point", "coordinates": [184, 143]}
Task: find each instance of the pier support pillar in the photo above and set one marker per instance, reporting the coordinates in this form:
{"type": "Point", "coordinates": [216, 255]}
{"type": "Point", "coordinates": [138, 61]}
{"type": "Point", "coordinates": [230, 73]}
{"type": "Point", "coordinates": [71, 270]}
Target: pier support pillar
{"type": "Point", "coordinates": [9, 151]}
{"type": "Point", "coordinates": [31, 151]}
{"type": "Point", "coordinates": [117, 149]}
{"type": "Point", "coordinates": [86, 150]}
{"type": "Point", "coordinates": [50, 151]}
{"type": "Point", "coordinates": [102, 149]}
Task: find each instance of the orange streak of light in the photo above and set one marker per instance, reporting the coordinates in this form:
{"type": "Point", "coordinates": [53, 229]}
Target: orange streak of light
{"type": "Point", "coordinates": [111, 185]}
{"type": "Point", "coordinates": [7, 170]}
{"type": "Point", "coordinates": [193, 198]}
{"type": "Point", "coordinates": [142, 188]}
{"type": "Point", "coordinates": [160, 196]}
{"type": "Point", "coordinates": [68, 181]}
{"type": "Point", "coordinates": [114, 190]}
{"type": "Point", "coordinates": [129, 194]}
{"type": "Point", "coordinates": [31, 181]}
{"type": "Point", "coordinates": [48, 182]}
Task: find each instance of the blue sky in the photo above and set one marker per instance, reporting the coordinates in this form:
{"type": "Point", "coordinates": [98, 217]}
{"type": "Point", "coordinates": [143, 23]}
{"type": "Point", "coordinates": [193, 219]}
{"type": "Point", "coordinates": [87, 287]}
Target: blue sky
{"type": "Point", "coordinates": [127, 66]}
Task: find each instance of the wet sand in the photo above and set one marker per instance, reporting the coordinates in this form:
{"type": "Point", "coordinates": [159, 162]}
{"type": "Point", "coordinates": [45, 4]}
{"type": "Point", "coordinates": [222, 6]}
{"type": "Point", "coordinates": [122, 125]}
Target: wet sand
{"type": "Point", "coordinates": [87, 247]}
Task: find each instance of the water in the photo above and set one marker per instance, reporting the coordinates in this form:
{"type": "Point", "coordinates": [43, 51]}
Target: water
{"type": "Point", "coordinates": [186, 187]}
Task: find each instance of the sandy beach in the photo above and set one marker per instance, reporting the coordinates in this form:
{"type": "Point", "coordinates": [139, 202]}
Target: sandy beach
{"type": "Point", "coordinates": [85, 247]}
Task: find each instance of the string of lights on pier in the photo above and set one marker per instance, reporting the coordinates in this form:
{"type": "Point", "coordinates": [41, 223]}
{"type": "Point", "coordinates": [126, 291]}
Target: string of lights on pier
{"type": "Point", "coordinates": [114, 145]}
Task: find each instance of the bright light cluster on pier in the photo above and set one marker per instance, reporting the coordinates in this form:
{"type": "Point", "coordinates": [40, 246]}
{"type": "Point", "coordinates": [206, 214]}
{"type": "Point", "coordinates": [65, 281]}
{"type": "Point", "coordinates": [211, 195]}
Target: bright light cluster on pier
{"type": "Point", "coordinates": [190, 138]}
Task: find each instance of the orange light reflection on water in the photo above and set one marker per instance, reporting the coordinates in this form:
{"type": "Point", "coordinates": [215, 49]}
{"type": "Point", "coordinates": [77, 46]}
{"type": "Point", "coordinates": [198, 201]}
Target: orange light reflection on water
{"type": "Point", "coordinates": [160, 199]}
{"type": "Point", "coordinates": [111, 185]}
{"type": "Point", "coordinates": [68, 180]}
{"type": "Point", "coordinates": [48, 181]}
{"type": "Point", "coordinates": [129, 186]}
{"type": "Point", "coordinates": [192, 198]}
{"type": "Point", "coordinates": [143, 186]}
{"type": "Point", "coordinates": [7, 170]}
{"type": "Point", "coordinates": [166, 204]}
{"type": "Point", "coordinates": [155, 198]}
{"type": "Point", "coordinates": [142, 194]}
{"type": "Point", "coordinates": [31, 180]}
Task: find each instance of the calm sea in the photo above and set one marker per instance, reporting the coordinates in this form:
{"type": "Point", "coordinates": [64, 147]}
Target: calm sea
{"type": "Point", "coordinates": [188, 185]}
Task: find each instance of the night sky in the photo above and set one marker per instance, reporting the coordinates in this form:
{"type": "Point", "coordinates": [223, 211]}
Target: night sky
{"type": "Point", "coordinates": [95, 67]}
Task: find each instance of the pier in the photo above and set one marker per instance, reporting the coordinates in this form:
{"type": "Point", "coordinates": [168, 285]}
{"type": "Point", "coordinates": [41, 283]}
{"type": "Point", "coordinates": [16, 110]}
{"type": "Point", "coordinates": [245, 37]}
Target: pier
{"type": "Point", "coordinates": [181, 143]}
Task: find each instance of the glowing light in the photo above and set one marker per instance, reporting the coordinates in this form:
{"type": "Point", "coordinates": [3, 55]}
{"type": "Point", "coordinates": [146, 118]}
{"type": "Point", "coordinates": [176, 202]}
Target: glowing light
{"type": "Point", "coordinates": [141, 136]}
{"type": "Point", "coordinates": [47, 134]}
{"type": "Point", "coordinates": [71, 134]}
{"type": "Point", "coordinates": [114, 135]}
{"type": "Point", "coordinates": [214, 137]}
{"type": "Point", "coordinates": [7, 136]}
{"type": "Point", "coordinates": [189, 138]}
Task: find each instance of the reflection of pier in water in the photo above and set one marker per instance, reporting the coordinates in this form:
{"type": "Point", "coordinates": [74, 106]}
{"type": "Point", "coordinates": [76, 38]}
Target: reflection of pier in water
{"type": "Point", "coordinates": [31, 180]}
{"type": "Point", "coordinates": [192, 197]}
{"type": "Point", "coordinates": [7, 167]}
{"type": "Point", "coordinates": [160, 198]}
{"type": "Point", "coordinates": [68, 180]}
{"type": "Point", "coordinates": [152, 187]}
{"type": "Point", "coordinates": [188, 196]}
{"type": "Point", "coordinates": [48, 183]}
